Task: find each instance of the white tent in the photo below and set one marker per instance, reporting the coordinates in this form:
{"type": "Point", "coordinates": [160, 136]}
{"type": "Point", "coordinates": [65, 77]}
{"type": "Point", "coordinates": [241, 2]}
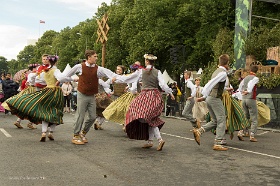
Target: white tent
{"type": "Point", "coordinates": [200, 71]}
{"type": "Point", "coordinates": [167, 78]}
{"type": "Point", "coordinates": [67, 69]}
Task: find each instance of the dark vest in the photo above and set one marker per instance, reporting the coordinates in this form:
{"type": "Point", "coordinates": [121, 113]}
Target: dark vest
{"type": "Point", "coordinates": [188, 91]}
{"type": "Point", "coordinates": [149, 81]}
{"type": "Point", "coordinates": [88, 81]}
{"type": "Point", "coordinates": [253, 94]}
{"type": "Point", "coordinates": [218, 89]}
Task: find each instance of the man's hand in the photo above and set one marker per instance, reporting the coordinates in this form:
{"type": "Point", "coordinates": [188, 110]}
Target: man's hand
{"type": "Point", "coordinates": [76, 79]}
{"type": "Point", "coordinates": [229, 89]}
{"type": "Point", "coordinates": [126, 88]}
{"type": "Point", "coordinates": [200, 99]}
{"type": "Point", "coordinates": [114, 79]}
{"type": "Point", "coordinates": [57, 83]}
{"type": "Point", "coordinates": [172, 96]}
{"type": "Point", "coordinates": [245, 92]}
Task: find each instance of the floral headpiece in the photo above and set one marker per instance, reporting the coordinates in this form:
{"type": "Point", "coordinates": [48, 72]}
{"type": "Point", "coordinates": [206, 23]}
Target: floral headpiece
{"type": "Point", "coordinates": [150, 57]}
{"type": "Point", "coordinates": [33, 65]}
{"type": "Point", "coordinates": [134, 67]}
{"type": "Point", "coordinates": [53, 58]}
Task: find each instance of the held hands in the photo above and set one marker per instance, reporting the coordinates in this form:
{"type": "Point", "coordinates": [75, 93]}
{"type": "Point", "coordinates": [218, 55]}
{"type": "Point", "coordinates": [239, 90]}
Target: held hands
{"type": "Point", "coordinates": [57, 83]}
{"type": "Point", "coordinates": [114, 79]}
{"type": "Point", "coordinates": [126, 89]}
{"type": "Point", "coordinates": [200, 99]}
{"type": "Point", "coordinates": [76, 79]}
{"type": "Point", "coordinates": [229, 89]}
{"type": "Point", "coordinates": [172, 96]}
{"type": "Point", "coordinates": [245, 92]}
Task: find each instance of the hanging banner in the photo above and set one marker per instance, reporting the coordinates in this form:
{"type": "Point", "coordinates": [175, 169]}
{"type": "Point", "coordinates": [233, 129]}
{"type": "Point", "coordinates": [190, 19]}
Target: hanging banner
{"type": "Point", "coordinates": [241, 31]}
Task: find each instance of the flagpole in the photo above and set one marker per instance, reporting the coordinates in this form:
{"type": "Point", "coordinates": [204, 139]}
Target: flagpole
{"type": "Point", "coordinates": [43, 22]}
{"type": "Point", "coordinates": [39, 29]}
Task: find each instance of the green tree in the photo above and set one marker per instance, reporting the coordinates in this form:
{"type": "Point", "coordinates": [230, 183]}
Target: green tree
{"type": "Point", "coordinates": [3, 65]}
{"type": "Point", "coordinates": [13, 66]}
{"type": "Point", "coordinates": [25, 57]}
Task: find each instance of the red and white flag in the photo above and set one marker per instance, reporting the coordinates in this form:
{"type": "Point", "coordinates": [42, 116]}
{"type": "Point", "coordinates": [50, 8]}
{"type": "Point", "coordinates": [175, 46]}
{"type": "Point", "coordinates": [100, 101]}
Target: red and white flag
{"type": "Point", "coordinates": [41, 21]}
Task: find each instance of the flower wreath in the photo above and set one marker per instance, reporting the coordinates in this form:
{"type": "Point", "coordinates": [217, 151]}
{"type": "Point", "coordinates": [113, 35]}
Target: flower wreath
{"type": "Point", "coordinates": [150, 57]}
{"type": "Point", "coordinates": [53, 58]}
{"type": "Point", "coordinates": [134, 67]}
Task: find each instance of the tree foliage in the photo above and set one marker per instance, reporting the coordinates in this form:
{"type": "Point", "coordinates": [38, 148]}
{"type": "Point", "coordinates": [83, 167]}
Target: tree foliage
{"type": "Point", "coordinates": [205, 29]}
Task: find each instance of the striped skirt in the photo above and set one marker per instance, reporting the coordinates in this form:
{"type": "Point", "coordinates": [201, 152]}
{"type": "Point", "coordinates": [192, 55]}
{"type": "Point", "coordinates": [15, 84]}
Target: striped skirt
{"type": "Point", "coordinates": [235, 117]}
{"type": "Point", "coordinates": [27, 90]}
{"type": "Point", "coordinates": [144, 111]}
{"type": "Point", "coordinates": [263, 114]}
{"type": "Point", "coordinates": [44, 105]}
{"type": "Point", "coordinates": [117, 110]}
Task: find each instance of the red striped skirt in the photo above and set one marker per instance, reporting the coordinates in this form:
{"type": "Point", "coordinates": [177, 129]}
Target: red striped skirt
{"type": "Point", "coordinates": [144, 111]}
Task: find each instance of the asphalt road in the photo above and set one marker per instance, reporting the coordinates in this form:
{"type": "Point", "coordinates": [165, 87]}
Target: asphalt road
{"type": "Point", "coordinates": [110, 158]}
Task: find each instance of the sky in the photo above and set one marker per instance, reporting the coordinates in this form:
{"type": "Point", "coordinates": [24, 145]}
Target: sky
{"type": "Point", "coordinates": [20, 20]}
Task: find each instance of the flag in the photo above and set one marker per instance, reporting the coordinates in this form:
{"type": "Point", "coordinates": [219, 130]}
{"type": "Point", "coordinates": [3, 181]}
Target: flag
{"type": "Point", "coordinates": [41, 21]}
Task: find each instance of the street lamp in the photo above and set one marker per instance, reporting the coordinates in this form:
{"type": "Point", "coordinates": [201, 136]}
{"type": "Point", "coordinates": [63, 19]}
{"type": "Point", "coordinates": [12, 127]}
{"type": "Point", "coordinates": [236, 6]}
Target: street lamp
{"type": "Point", "coordinates": [86, 38]}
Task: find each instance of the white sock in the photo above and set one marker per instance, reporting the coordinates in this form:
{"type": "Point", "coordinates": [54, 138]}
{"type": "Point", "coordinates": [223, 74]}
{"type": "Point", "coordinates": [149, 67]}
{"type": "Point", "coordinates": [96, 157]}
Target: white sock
{"type": "Point", "coordinates": [157, 133]}
{"type": "Point", "coordinates": [52, 127]}
{"type": "Point", "coordinates": [44, 126]}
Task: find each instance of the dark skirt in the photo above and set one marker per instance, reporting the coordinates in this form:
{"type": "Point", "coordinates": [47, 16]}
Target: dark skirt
{"type": "Point", "coordinates": [44, 105]}
{"type": "Point", "coordinates": [144, 111]}
{"type": "Point", "coordinates": [102, 102]}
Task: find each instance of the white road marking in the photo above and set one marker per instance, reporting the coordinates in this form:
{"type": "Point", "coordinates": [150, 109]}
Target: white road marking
{"type": "Point", "coordinates": [258, 153]}
{"type": "Point", "coordinates": [177, 136]}
{"type": "Point", "coordinates": [262, 133]}
{"type": "Point", "coordinates": [5, 132]}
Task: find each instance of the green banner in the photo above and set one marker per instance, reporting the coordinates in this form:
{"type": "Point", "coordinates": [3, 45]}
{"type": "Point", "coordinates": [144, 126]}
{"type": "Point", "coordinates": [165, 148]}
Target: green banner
{"type": "Point", "coordinates": [241, 31]}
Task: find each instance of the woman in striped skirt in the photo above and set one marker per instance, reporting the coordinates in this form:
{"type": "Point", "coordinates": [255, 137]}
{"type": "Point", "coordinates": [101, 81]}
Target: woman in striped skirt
{"type": "Point", "coordinates": [44, 106]}
{"type": "Point", "coordinates": [27, 87]}
{"type": "Point", "coordinates": [142, 118]}
{"type": "Point", "coordinates": [117, 110]}
{"type": "Point", "coordinates": [29, 83]}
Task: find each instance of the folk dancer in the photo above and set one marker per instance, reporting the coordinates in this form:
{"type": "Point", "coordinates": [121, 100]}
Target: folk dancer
{"type": "Point", "coordinates": [213, 92]}
{"type": "Point", "coordinates": [142, 118]}
{"type": "Point", "coordinates": [44, 106]}
{"type": "Point", "coordinates": [89, 73]}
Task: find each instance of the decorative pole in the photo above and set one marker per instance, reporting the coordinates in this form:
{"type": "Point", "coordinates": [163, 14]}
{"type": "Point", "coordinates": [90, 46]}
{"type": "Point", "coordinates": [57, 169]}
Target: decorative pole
{"type": "Point", "coordinates": [102, 32]}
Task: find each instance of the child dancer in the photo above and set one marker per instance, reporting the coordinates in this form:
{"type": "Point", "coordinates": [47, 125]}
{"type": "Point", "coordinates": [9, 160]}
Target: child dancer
{"type": "Point", "coordinates": [249, 103]}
